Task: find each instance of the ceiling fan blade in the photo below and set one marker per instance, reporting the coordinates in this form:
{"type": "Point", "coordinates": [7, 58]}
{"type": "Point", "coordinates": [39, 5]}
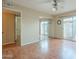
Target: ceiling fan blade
{"type": "Point", "coordinates": [60, 7]}
{"type": "Point", "coordinates": [60, 1]}
{"type": "Point", "coordinates": [44, 1]}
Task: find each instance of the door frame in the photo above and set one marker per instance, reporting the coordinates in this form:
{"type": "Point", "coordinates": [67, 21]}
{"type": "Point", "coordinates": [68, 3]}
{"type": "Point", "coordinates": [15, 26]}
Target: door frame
{"type": "Point", "coordinates": [17, 13]}
{"type": "Point", "coordinates": [43, 19]}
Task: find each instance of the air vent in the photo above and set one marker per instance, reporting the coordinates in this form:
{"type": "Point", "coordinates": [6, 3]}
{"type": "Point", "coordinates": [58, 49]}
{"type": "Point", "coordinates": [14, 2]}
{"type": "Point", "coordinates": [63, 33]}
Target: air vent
{"type": "Point", "coordinates": [7, 3]}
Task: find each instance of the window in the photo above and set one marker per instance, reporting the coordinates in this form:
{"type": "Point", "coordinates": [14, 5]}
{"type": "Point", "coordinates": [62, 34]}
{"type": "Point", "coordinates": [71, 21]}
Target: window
{"type": "Point", "coordinates": [69, 25]}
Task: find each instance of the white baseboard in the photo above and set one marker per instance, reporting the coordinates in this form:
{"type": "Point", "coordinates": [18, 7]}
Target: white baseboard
{"type": "Point", "coordinates": [30, 42]}
{"type": "Point", "coordinates": [61, 38]}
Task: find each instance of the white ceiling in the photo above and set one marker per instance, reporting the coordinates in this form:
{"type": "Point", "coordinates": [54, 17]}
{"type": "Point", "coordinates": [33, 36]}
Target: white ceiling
{"type": "Point", "coordinates": [46, 6]}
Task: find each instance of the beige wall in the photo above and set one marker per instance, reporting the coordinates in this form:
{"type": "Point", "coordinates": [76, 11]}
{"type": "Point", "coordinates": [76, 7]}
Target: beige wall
{"type": "Point", "coordinates": [58, 29]}
{"type": "Point", "coordinates": [30, 24]}
{"type": "Point", "coordinates": [52, 27]}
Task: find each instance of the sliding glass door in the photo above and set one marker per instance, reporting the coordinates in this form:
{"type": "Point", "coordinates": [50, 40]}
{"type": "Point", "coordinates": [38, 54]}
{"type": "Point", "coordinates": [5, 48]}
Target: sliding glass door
{"type": "Point", "coordinates": [69, 25]}
{"type": "Point", "coordinates": [44, 30]}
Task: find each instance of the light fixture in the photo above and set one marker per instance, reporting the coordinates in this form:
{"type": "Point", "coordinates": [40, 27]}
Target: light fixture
{"type": "Point", "coordinates": [40, 17]}
{"type": "Point", "coordinates": [54, 9]}
{"type": "Point", "coordinates": [54, 4]}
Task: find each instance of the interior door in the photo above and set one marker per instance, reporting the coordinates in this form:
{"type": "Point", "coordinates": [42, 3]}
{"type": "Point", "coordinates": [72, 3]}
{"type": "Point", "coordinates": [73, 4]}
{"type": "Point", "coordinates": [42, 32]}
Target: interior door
{"type": "Point", "coordinates": [8, 28]}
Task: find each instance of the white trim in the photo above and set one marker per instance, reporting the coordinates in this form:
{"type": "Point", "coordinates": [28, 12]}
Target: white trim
{"type": "Point", "coordinates": [12, 9]}
{"type": "Point", "coordinates": [30, 42]}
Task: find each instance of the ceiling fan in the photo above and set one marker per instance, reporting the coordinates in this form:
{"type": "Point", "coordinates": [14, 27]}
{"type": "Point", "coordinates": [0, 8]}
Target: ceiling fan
{"type": "Point", "coordinates": [55, 4]}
